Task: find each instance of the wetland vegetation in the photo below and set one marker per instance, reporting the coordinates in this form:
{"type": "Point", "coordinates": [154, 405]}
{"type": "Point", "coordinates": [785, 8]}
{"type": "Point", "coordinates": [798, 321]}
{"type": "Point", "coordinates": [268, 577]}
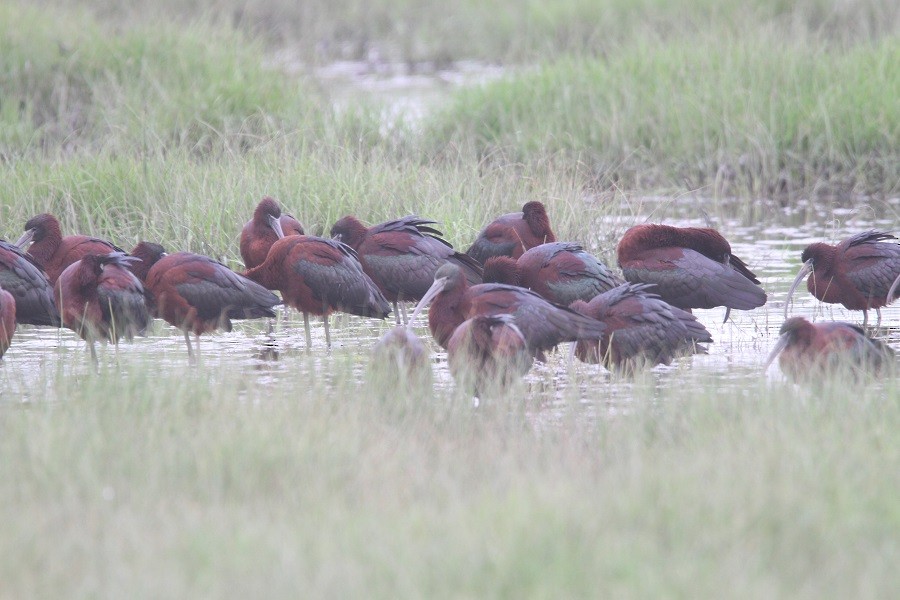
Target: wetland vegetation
{"type": "Point", "coordinates": [168, 121]}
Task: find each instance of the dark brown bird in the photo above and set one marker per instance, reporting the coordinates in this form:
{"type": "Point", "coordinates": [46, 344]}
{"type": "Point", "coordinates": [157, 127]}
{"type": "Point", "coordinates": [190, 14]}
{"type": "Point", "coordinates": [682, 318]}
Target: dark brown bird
{"type": "Point", "coordinates": [487, 354]}
{"type": "Point", "coordinates": [692, 267]}
{"type": "Point", "coordinates": [401, 256]}
{"type": "Point", "coordinates": [561, 272]}
{"type": "Point", "coordinates": [543, 324]}
{"type": "Point", "coordinates": [7, 320]}
{"type": "Point", "coordinates": [810, 351]}
{"type": "Point", "coordinates": [198, 294]}
{"type": "Point", "coordinates": [317, 276]}
{"type": "Point", "coordinates": [513, 233]}
{"type": "Point", "coordinates": [28, 284]}
{"type": "Point", "coordinates": [642, 329]}
{"type": "Point", "coordinates": [53, 252]}
{"type": "Point", "coordinates": [856, 273]}
{"type": "Point", "coordinates": [266, 227]}
{"type": "Point", "coordinates": [401, 362]}
{"type": "Point", "coordinates": [99, 298]}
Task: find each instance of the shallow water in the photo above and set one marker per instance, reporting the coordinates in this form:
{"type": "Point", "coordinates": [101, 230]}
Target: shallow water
{"type": "Point", "coordinates": [735, 360]}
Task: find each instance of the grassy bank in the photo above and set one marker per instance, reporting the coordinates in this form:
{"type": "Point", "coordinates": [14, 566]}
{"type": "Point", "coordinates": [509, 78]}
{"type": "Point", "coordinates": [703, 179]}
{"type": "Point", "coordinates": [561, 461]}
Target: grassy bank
{"type": "Point", "coordinates": [757, 116]}
{"type": "Point", "coordinates": [200, 484]}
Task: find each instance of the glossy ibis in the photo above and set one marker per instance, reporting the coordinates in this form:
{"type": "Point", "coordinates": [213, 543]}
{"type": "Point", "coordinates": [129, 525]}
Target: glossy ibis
{"type": "Point", "coordinates": [53, 252]}
{"type": "Point", "coordinates": [487, 354]}
{"type": "Point", "coordinates": [401, 256]}
{"type": "Point", "coordinates": [692, 267]}
{"type": "Point", "coordinates": [814, 350]}
{"type": "Point", "coordinates": [642, 329]}
{"type": "Point", "coordinates": [7, 320]}
{"type": "Point", "coordinates": [401, 361]}
{"type": "Point", "coordinates": [28, 284]}
{"type": "Point", "coordinates": [856, 273]}
{"type": "Point", "coordinates": [99, 298]}
{"type": "Point", "coordinates": [317, 276]}
{"type": "Point", "coordinates": [513, 233]}
{"type": "Point", "coordinates": [543, 323]}
{"type": "Point", "coordinates": [561, 272]}
{"type": "Point", "coordinates": [266, 226]}
{"type": "Point", "coordinates": [198, 294]}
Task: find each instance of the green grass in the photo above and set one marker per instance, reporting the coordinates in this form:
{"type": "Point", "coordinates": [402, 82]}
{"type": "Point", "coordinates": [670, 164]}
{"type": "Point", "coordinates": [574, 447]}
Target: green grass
{"type": "Point", "coordinates": [158, 121]}
{"type": "Point", "coordinates": [203, 483]}
{"type": "Point", "coordinates": [756, 116]}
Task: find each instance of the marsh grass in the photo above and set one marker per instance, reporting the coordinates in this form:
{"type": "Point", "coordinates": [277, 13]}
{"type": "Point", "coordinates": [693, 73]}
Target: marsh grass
{"type": "Point", "coordinates": [156, 121]}
{"type": "Point", "coordinates": [757, 116]}
{"type": "Point", "coordinates": [200, 483]}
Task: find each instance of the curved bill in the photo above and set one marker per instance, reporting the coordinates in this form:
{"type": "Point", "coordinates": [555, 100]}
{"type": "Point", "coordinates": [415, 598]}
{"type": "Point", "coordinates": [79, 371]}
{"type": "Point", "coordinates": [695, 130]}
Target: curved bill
{"type": "Point", "coordinates": [892, 291]}
{"type": "Point", "coordinates": [805, 270]}
{"type": "Point", "coordinates": [779, 346]}
{"type": "Point", "coordinates": [275, 224]}
{"type": "Point", "coordinates": [25, 239]}
{"type": "Point", "coordinates": [436, 288]}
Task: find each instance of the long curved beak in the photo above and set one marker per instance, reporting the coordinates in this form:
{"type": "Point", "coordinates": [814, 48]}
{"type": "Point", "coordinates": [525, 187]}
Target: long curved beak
{"type": "Point", "coordinates": [805, 270]}
{"type": "Point", "coordinates": [436, 288]}
{"type": "Point", "coordinates": [25, 239]}
{"type": "Point", "coordinates": [780, 345]}
{"type": "Point", "coordinates": [890, 295]}
{"type": "Point", "coordinates": [275, 224]}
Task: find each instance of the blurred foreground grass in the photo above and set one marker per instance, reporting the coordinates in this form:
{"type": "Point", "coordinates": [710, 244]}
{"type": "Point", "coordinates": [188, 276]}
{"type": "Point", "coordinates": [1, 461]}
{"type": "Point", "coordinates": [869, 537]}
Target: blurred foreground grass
{"type": "Point", "coordinates": [205, 483]}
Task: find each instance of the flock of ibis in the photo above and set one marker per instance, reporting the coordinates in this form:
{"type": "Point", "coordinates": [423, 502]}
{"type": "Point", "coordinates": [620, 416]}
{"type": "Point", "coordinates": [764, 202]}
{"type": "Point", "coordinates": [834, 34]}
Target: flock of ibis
{"type": "Point", "coordinates": [513, 296]}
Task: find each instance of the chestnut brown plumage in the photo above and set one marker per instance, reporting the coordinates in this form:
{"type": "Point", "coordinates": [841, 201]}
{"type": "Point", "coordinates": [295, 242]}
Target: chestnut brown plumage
{"type": "Point", "coordinates": [53, 252]}
{"type": "Point", "coordinates": [857, 273]}
{"type": "Point", "coordinates": [692, 267]}
{"type": "Point", "coordinates": [561, 272]}
{"type": "Point", "coordinates": [198, 294]}
{"type": "Point", "coordinates": [317, 276]}
{"type": "Point", "coordinates": [814, 351]}
{"type": "Point", "coordinates": [402, 255]}
{"type": "Point", "coordinates": [266, 227]}
{"type": "Point", "coordinates": [7, 320]}
{"type": "Point", "coordinates": [642, 329]}
{"type": "Point", "coordinates": [487, 354]}
{"type": "Point", "coordinates": [21, 276]}
{"type": "Point", "coordinates": [99, 298]}
{"type": "Point", "coordinates": [513, 233]}
{"type": "Point", "coordinates": [542, 323]}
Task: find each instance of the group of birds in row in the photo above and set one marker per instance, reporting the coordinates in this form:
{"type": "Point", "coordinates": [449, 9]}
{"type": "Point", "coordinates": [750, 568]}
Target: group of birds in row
{"type": "Point", "coordinates": [512, 296]}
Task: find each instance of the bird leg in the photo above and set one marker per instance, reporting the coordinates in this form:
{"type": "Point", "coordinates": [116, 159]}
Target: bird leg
{"type": "Point", "coordinates": [865, 318]}
{"type": "Point", "coordinates": [403, 310]}
{"type": "Point", "coordinates": [396, 314]}
{"type": "Point", "coordinates": [187, 340]}
{"type": "Point", "coordinates": [878, 322]}
{"type": "Point", "coordinates": [727, 313]}
{"type": "Point", "coordinates": [306, 328]}
{"type": "Point", "coordinates": [327, 332]}
{"type": "Point", "coordinates": [197, 342]}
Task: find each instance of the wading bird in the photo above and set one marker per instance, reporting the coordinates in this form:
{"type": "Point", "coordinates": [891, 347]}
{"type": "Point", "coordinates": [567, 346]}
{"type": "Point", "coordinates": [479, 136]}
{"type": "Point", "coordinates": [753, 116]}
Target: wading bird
{"type": "Point", "coordinates": [561, 272]}
{"type": "Point", "coordinates": [401, 256]}
{"type": "Point", "coordinates": [198, 294]}
{"type": "Point", "coordinates": [692, 267]}
{"type": "Point", "coordinates": [513, 233]}
{"type": "Point", "coordinates": [543, 324]}
{"type": "Point", "coordinates": [317, 276]}
{"type": "Point", "coordinates": [21, 277]}
{"type": "Point", "coordinates": [266, 227]}
{"type": "Point", "coordinates": [99, 298]}
{"type": "Point", "coordinates": [642, 329]}
{"type": "Point", "coordinates": [401, 361]}
{"type": "Point", "coordinates": [487, 354]}
{"type": "Point", "coordinates": [7, 320]}
{"type": "Point", "coordinates": [53, 252]}
{"type": "Point", "coordinates": [808, 351]}
{"type": "Point", "coordinates": [856, 273]}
